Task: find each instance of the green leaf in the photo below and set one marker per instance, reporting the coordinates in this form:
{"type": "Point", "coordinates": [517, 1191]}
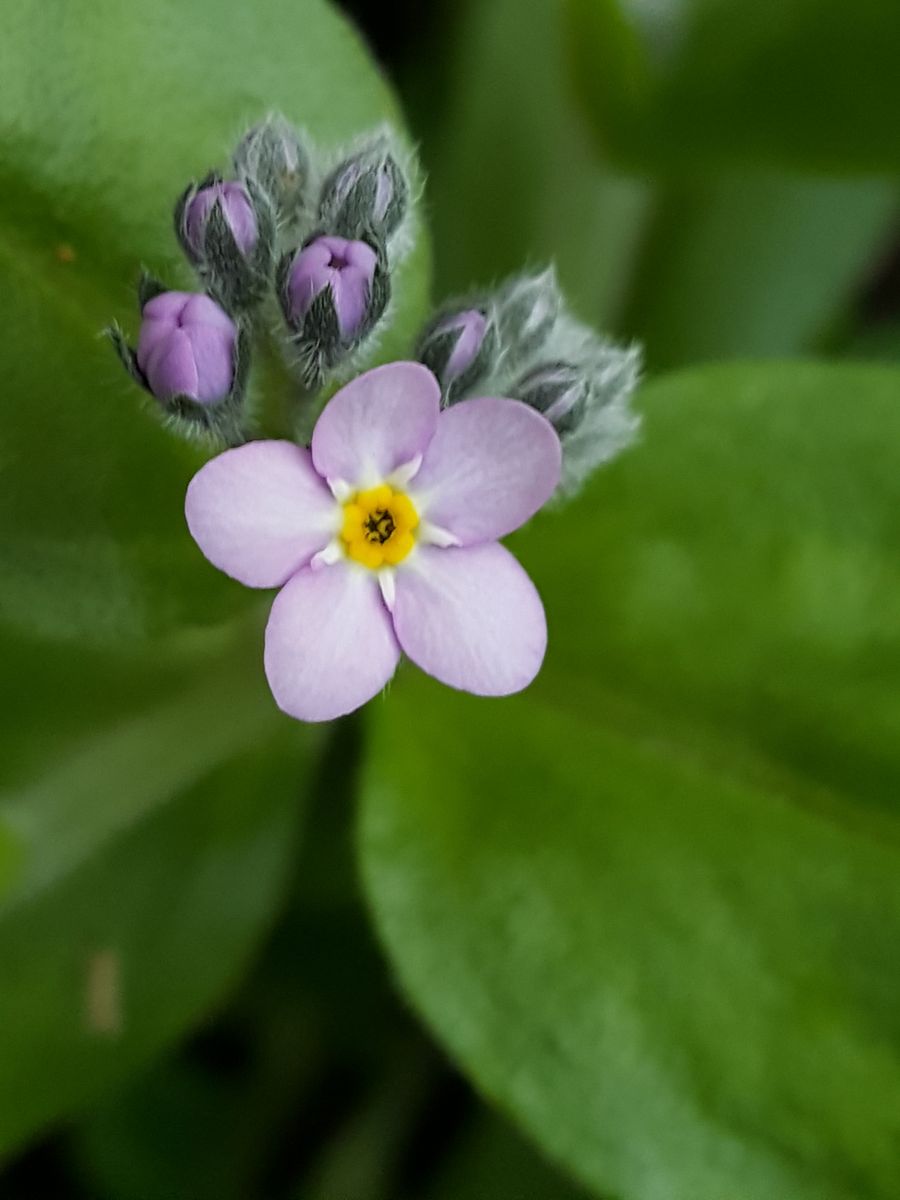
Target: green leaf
{"type": "Point", "coordinates": [755, 264]}
{"type": "Point", "coordinates": [492, 1160]}
{"type": "Point", "coordinates": [652, 906]}
{"type": "Point", "coordinates": [149, 788]}
{"type": "Point", "coordinates": [207, 1126]}
{"type": "Point", "coordinates": [114, 775]}
{"type": "Point", "coordinates": [177, 1131]}
{"type": "Point", "coordinates": [148, 856]}
{"type": "Point", "coordinates": [878, 341]}
{"type": "Point", "coordinates": [513, 179]}
{"type": "Point", "coordinates": [809, 83]}
{"type": "Point", "coordinates": [105, 116]}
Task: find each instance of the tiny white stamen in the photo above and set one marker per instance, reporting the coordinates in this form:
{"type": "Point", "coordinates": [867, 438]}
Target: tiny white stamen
{"type": "Point", "coordinates": [332, 553]}
{"type": "Point", "coordinates": [388, 588]}
{"type": "Point", "coordinates": [433, 535]}
{"type": "Point", "coordinates": [401, 477]}
{"type": "Point", "coordinates": [341, 490]}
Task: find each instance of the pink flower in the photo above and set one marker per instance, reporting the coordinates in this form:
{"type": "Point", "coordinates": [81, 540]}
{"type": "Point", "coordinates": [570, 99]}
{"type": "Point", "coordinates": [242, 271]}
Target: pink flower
{"type": "Point", "coordinates": [382, 538]}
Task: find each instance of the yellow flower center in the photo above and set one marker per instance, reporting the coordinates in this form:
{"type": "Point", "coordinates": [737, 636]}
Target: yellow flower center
{"type": "Point", "coordinates": [378, 526]}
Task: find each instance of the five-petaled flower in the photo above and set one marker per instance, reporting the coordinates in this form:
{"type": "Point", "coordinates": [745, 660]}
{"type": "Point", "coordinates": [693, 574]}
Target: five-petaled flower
{"type": "Point", "coordinates": [383, 539]}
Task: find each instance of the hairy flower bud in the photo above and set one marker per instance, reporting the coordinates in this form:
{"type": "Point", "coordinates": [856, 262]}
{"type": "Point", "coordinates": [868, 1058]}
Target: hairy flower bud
{"type": "Point", "coordinates": [237, 210]}
{"type": "Point", "coordinates": [345, 268]}
{"type": "Point", "coordinates": [460, 349]}
{"type": "Point", "coordinates": [333, 292]}
{"type": "Point", "coordinates": [529, 307]}
{"type": "Point", "coordinates": [468, 329]}
{"type": "Point", "coordinates": [365, 194]}
{"type": "Point", "coordinates": [227, 231]}
{"type": "Point", "coordinates": [187, 347]}
{"type": "Point", "coordinates": [587, 398]}
{"type": "Point", "coordinates": [273, 156]}
{"type": "Point", "coordinates": [559, 390]}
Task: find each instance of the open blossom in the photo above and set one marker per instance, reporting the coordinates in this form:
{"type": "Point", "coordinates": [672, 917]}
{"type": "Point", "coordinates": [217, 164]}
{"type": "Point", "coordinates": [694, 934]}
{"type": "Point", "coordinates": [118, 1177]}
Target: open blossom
{"type": "Point", "coordinates": [383, 539]}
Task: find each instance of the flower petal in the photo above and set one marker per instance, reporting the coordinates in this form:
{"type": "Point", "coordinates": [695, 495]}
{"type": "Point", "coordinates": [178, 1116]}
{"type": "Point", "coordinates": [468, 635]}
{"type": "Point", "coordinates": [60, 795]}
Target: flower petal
{"type": "Point", "coordinates": [377, 423]}
{"type": "Point", "coordinates": [171, 368]}
{"type": "Point", "coordinates": [200, 309]}
{"type": "Point", "coordinates": [470, 617]}
{"type": "Point", "coordinates": [260, 512]}
{"type": "Point", "coordinates": [330, 644]}
{"type": "Point", "coordinates": [350, 293]}
{"type": "Point", "coordinates": [491, 465]}
{"type": "Point", "coordinates": [213, 351]}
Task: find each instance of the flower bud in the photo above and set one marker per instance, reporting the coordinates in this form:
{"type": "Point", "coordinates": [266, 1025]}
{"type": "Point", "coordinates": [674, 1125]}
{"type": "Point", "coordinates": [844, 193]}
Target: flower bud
{"type": "Point", "coordinates": [529, 307]}
{"type": "Point", "coordinates": [237, 211]}
{"type": "Point", "coordinates": [346, 269]}
{"type": "Point", "coordinates": [367, 193]}
{"type": "Point", "coordinates": [227, 231]}
{"type": "Point", "coordinates": [333, 292]}
{"type": "Point", "coordinates": [187, 348]}
{"type": "Point", "coordinates": [559, 391]}
{"type": "Point", "coordinates": [460, 348]}
{"type": "Point", "coordinates": [272, 155]}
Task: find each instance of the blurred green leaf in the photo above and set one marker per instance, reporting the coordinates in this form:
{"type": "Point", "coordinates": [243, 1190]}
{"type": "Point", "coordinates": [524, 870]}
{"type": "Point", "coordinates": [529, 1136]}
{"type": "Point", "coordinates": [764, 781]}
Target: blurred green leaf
{"type": "Point", "coordinates": [754, 264]}
{"type": "Point", "coordinates": [166, 1137]}
{"type": "Point", "coordinates": [313, 1073]}
{"type": "Point", "coordinates": [10, 859]}
{"type": "Point", "coordinates": [149, 802]}
{"type": "Point", "coordinates": [113, 950]}
{"type": "Point", "coordinates": [104, 115]}
{"type": "Point", "coordinates": [513, 179]}
{"type": "Point", "coordinates": [809, 83]}
{"type": "Point", "coordinates": [652, 905]}
{"type": "Point", "coordinates": [85, 795]}
{"type": "Point", "coordinates": [876, 342]}
{"type": "Point", "coordinates": [494, 1161]}
{"type": "Point", "coordinates": [149, 788]}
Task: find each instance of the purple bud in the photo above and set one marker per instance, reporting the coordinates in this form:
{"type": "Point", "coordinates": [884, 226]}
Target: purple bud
{"type": "Point", "coordinates": [186, 347]}
{"type": "Point", "coordinates": [460, 348]}
{"type": "Point", "coordinates": [529, 307]}
{"type": "Point", "coordinates": [469, 327]}
{"type": "Point", "coordinates": [237, 209]}
{"type": "Point", "coordinates": [347, 268]}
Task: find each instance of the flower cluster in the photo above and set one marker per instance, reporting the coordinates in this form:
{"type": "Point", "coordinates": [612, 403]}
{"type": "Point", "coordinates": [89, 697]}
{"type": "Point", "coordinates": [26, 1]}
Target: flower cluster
{"type": "Point", "coordinates": [522, 341]}
{"type": "Point", "coordinates": [382, 529]}
{"type": "Point", "coordinates": [291, 224]}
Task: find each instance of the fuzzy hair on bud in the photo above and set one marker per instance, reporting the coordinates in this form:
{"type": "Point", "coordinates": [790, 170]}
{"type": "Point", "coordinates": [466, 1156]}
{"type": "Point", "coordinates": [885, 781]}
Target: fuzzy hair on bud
{"type": "Point", "coordinates": [528, 307]}
{"type": "Point", "coordinates": [365, 194]}
{"type": "Point", "coordinates": [608, 424]}
{"type": "Point", "coordinates": [237, 208]}
{"type": "Point", "coordinates": [275, 156]}
{"type": "Point", "coordinates": [559, 390]}
{"type": "Point", "coordinates": [369, 190]}
{"type": "Point", "coordinates": [460, 345]}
